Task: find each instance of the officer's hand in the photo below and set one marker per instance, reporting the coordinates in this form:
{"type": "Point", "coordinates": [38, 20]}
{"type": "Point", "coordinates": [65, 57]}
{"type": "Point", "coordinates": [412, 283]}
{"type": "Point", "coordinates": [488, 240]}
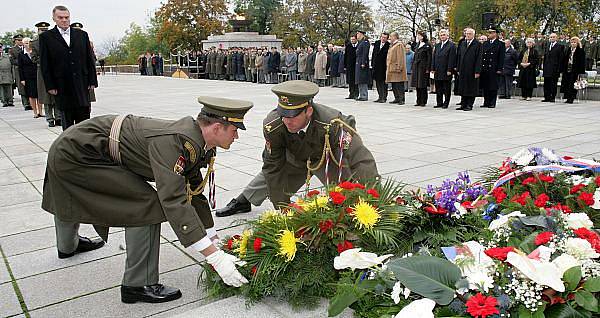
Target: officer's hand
{"type": "Point", "coordinates": [448, 73]}
{"type": "Point", "coordinates": [224, 264]}
{"type": "Point", "coordinates": [476, 75]}
{"type": "Point", "coordinates": [23, 83]}
{"type": "Point", "coordinates": [52, 92]}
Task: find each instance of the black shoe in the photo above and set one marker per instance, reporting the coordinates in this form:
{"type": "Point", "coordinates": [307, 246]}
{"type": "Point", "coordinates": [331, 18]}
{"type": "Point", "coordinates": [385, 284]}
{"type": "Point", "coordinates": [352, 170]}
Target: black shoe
{"type": "Point", "coordinates": [361, 99]}
{"type": "Point", "coordinates": [484, 106]}
{"type": "Point", "coordinates": [569, 101]}
{"type": "Point", "coordinates": [85, 245]}
{"type": "Point", "coordinates": [5, 105]}
{"type": "Point", "coordinates": [11, 105]}
{"type": "Point", "coordinates": [467, 109]}
{"type": "Point", "coordinates": [157, 293]}
{"type": "Point", "coordinates": [349, 97]}
{"type": "Point", "coordinates": [492, 106]}
{"type": "Point", "coordinates": [445, 107]}
{"type": "Point", "coordinates": [438, 106]}
{"type": "Point", "coordinates": [394, 102]}
{"type": "Point", "coordinates": [57, 122]}
{"type": "Point", "coordinates": [460, 108]}
{"type": "Point", "coordinates": [234, 207]}
{"type": "Point", "coordinates": [27, 108]}
{"type": "Point", "coordinates": [381, 101]}
{"type": "Point", "coordinates": [51, 124]}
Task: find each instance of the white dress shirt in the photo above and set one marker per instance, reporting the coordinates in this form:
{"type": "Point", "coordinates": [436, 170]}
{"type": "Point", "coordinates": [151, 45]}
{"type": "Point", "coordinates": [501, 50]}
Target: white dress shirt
{"type": "Point", "coordinates": [66, 34]}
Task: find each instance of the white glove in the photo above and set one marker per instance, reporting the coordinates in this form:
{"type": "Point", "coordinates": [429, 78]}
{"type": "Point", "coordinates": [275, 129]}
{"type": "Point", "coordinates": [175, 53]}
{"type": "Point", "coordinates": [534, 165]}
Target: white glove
{"type": "Point", "coordinates": [224, 264]}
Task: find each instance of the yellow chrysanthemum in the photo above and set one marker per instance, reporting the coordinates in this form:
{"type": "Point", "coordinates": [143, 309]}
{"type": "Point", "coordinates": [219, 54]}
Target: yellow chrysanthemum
{"type": "Point", "coordinates": [244, 243]}
{"type": "Point", "coordinates": [269, 216]}
{"type": "Point", "coordinates": [338, 189]}
{"type": "Point", "coordinates": [366, 215]}
{"type": "Point", "coordinates": [313, 204]}
{"type": "Point", "coordinates": [287, 244]}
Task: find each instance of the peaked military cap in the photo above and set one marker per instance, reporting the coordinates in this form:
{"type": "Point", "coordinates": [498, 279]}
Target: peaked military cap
{"type": "Point", "coordinates": [77, 25]}
{"type": "Point", "coordinates": [294, 96]}
{"type": "Point", "coordinates": [42, 25]}
{"type": "Point", "coordinates": [225, 109]}
{"type": "Point", "coordinates": [492, 29]}
{"type": "Point", "coordinates": [18, 37]}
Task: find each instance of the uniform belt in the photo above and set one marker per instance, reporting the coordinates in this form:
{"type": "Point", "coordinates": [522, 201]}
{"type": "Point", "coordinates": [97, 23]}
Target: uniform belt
{"type": "Point", "coordinates": [113, 138]}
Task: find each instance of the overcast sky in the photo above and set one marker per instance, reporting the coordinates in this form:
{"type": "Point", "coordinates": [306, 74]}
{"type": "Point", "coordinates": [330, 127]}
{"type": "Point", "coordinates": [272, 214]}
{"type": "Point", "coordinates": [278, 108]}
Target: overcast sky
{"type": "Point", "coordinates": [102, 19]}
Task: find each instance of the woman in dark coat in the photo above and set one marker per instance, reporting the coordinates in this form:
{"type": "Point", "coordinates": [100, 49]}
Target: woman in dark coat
{"type": "Point", "coordinates": [28, 76]}
{"type": "Point", "coordinates": [529, 61]}
{"type": "Point", "coordinates": [421, 67]}
{"type": "Point", "coordinates": [572, 67]}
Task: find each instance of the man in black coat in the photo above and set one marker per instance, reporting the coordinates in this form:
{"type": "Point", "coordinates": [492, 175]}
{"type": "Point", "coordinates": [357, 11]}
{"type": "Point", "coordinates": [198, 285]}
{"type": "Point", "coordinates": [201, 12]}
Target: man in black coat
{"type": "Point", "coordinates": [468, 68]}
{"type": "Point", "coordinates": [362, 76]}
{"type": "Point", "coordinates": [551, 68]}
{"type": "Point", "coordinates": [379, 58]}
{"type": "Point", "coordinates": [511, 59]}
{"type": "Point", "coordinates": [274, 62]}
{"type": "Point", "coordinates": [442, 66]}
{"type": "Point", "coordinates": [68, 68]}
{"type": "Point", "coordinates": [492, 63]}
{"type": "Point", "coordinates": [349, 66]}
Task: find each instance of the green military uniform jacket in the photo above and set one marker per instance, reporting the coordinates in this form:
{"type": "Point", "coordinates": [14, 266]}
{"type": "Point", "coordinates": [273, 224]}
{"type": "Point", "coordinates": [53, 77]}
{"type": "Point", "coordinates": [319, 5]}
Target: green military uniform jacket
{"type": "Point", "coordinates": [6, 71]}
{"type": "Point", "coordinates": [43, 96]}
{"type": "Point", "coordinates": [14, 58]}
{"type": "Point", "coordinates": [220, 67]}
{"type": "Point", "coordinates": [84, 184]}
{"type": "Point", "coordinates": [286, 154]}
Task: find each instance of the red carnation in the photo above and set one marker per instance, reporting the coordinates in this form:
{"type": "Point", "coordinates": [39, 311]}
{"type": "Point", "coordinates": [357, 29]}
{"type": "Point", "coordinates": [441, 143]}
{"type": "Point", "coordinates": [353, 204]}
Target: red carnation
{"type": "Point", "coordinates": [546, 178]}
{"type": "Point", "coordinates": [359, 186]}
{"type": "Point", "coordinates": [564, 208]}
{"type": "Point", "coordinates": [589, 236]}
{"type": "Point", "coordinates": [576, 188]}
{"type": "Point", "coordinates": [253, 270]}
{"type": "Point", "coordinates": [337, 197]}
{"type": "Point", "coordinates": [435, 210]}
{"type": "Point", "coordinates": [346, 185]}
{"type": "Point", "coordinates": [312, 193]}
{"type": "Point", "coordinates": [587, 198]}
{"type": "Point", "coordinates": [521, 199]}
{"type": "Point", "coordinates": [373, 193]}
{"type": "Point", "coordinates": [467, 205]}
{"type": "Point", "coordinates": [325, 225]}
{"type": "Point", "coordinates": [499, 195]}
{"type": "Point", "coordinates": [541, 200]}
{"type": "Point", "coordinates": [529, 180]}
{"type": "Point", "coordinates": [499, 253]}
{"type": "Point", "coordinates": [480, 306]}
{"type": "Point", "coordinates": [597, 180]}
{"type": "Point", "coordinates": [344, 246]}
{"type": "Point", "coordinates": [349, 210]}
{"type": "Point", "coordinates": [229, 244]}
{"type": "Point", "coordinates": [257, 244]}
{"type": "Point", "coordinates": [543, 238]}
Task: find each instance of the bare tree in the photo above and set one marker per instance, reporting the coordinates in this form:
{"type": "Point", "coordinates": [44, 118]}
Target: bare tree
{"type": "Point", "coordinates": [414, 15]}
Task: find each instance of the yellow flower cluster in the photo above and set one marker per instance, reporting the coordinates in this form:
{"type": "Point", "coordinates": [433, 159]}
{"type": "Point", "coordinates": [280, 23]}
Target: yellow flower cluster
{"type": "Point", "coordinates": [366, 215]}
{"type": "Point", "coordinates": [313, 204]}
{"type": "Point", "coordinates": [270, 215]}
{"type": "Point", "coordinates": [244, 243]}
{"type": "Point", "coordinates": [287, 244]}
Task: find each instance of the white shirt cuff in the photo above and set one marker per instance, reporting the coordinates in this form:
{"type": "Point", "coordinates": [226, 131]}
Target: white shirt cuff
{"type": "Point", "coordinates": [203, 244]}
{"type": "Point", "coordinates": [211, 232]}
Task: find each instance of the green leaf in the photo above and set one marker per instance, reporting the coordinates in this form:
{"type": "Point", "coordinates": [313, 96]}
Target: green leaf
{"type": "Point", "coordinates": [349, 295]}
{"type": "Point", "coordinates": [592, 285]}
{"type": "Point", "coordinates": [572, 277]}
{"type": "Point", "coordinates": [428, 276]}
{"type": "Point", "coordinates": [537, 220]}
{"type": "Point", "coordinates": [528, 244]}
{"type": "Point", "coordinates": [586, 300]}
{"type": "Point", "coordinates": [562, 311]}
{"type": "Point", "coordinates": [524, 312]}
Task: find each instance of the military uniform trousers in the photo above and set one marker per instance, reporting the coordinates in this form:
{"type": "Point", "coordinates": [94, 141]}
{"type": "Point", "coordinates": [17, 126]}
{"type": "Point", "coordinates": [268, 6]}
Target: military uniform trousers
{"type": "Point", "coordinates": [6, 94]}
{"type": "Point", "coordinates": [143, 246]}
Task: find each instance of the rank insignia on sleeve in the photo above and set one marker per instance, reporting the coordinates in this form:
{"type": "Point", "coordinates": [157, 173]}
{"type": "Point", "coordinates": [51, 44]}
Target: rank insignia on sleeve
{"type": "Point", "coordinates": [188, 146]}
{"type": "Point", "coordinates": [268, 146]}
{"type": "Point", "coordinates": [179, 165]}
{"type": "Point", "coordinates": [347, 140]}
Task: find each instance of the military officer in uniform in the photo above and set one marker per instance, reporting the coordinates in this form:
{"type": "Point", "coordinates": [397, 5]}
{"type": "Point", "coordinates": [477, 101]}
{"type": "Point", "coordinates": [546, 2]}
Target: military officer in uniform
{"type": "Point", "coordinates": [14, 56]}
{"type": "Point", "coordinates": [303, 138]}
{"type": "Point", "coordinates": [6, 79]}
{"type": "Point", "coordinates": [52, 113]}
{"type": "Point", "coordinates": [98, 173]}
{"type": "Point", "coordinates": [492, 63]}
{"type": "Point", "coordinates": [211, 61]}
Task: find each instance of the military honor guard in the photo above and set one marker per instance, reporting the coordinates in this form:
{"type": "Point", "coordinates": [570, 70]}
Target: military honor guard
{"type": "Point", "coordinates": [492, 64]}
{"type": "Point", "coordinates": [6, 79]}
{"type": "Point", "coordinates": [98, 172]}
{"type": "Point", "coordinates": [52, 113]}
{"type": "Point", "coordinates": [304, 138]}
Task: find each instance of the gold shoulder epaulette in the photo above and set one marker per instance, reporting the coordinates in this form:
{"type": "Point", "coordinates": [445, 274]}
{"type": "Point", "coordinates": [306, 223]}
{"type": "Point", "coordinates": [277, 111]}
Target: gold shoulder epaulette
{"type": "Point", "coordinates": [273, 124]}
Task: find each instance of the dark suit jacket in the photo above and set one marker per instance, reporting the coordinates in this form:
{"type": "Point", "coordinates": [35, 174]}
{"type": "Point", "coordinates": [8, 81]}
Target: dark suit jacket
{"type": "Point", "coordinates": [552, 60]}
{"type": "Point", "coordinates": [68, 69]}
{"type": "Point", "coordinates": [362, 62]}
{"type": "Point", "coordinates": [27, 69]}
{"type": "Point", "coordinates": [443, 61]}
{"type": "Point", "coordinates": [511, 60]}
{"type": "Point", "coordinates": [350, 62]}
{"type": "Point", "coordinates": [274, 62]}
{"type": "Point", "coordinates": [379, 59]}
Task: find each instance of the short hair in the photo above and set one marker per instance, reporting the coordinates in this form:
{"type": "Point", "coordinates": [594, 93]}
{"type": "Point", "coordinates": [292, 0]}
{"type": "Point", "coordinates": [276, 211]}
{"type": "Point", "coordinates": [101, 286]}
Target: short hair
{"type": "Point", "coordinates": [385, 33]}
{"type": "Point", "coordinates": [530, 40]}
{"type": "Point", "coordinates": [423, 35]}
{"type": "Point", "coordinates": [59, 8]}
{"type": "Point", "coordinates": [444, 31]}
{"type": "Point", "coordinates": [205, 120]}
{"type": "Point", "coordinates": [395, 34]}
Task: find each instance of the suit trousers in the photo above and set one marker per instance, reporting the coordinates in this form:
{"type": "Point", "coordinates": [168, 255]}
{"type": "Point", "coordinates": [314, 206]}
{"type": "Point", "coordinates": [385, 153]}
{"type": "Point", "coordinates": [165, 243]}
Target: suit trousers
{"type": "Point", "coordinates": [490, 97]}
{"type": "Point", "coordinates": [468, 101]}
{"type": "Point", "coordinates": [353, 89]}
{"type": "Point", "coordinates": [505, 83]}
{"type": "Point", "coordinates": [143, 247]}
{"type": "Point", "coordinates": [382, 89]}
{"type": "Point", "coordinates": [70, 117]}
{"type": "Point", "coordinates": [6, 94]}
{"type": "Point", "coordinates": [550, 89]}
{"type": "Point", "coordinates": [422, 96]}
{"type": "Point", "coordinates": [52, 113]}
{"type": "Point", "coordinates": [25, 101]}
{"type": "Point", "coordinates": [398, 90]}
{"type": "Point", "coordinates": [363, 91]}
{"type": "Point", "coordinates": [442, 92]}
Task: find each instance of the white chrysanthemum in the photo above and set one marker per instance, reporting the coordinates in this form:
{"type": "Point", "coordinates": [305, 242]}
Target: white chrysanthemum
{"type": "Point", "coordinates": [480, 280]}
{"type": "Point", "coordinates": [580, 249]}
{"type": "Point", "coordinates": [523, 157]}
{"type": "Point", "coordinates": [578, 220]}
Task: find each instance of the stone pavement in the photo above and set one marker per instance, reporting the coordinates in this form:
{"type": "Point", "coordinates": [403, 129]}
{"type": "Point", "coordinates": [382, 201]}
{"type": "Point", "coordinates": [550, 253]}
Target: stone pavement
{"type": "Point", "coordinates": [415, 145]}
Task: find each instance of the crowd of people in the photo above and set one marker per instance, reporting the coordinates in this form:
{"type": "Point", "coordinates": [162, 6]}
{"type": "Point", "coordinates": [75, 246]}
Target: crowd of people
{"type": "Point", "coordinates": [29, 65]}
{"type": "Point", "coordinates": [151, 64]}
{"type": "Point", "coordinates": [488, 68]}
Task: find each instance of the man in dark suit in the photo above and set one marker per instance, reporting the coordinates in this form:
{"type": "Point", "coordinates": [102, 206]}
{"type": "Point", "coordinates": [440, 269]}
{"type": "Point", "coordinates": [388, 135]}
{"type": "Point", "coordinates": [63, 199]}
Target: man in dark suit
{"type": "Point", "coordinates": [551, 69]}
{"type": "Point", "coordinates": [511, 59]}
{"type": "Point", "coordinates": [349, 64]}
{"type": "Point", "coordinates": [442, 66]}
{"type": "Point", "coordinates": [379, 58]}
{"type": "Point", "coordinates": [362, 67]}
{"type": "Point", "coordinates": [68, 68]}
{"type": "Point", "coordinates": [468, 68]}
{"type": "Point", "coordinates": [492, 62]}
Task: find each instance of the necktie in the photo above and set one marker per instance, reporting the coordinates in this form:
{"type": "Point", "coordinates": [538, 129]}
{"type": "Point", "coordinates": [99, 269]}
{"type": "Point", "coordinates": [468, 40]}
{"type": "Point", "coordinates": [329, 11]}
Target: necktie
{"type": "Point", "coordinates": [551, 46]}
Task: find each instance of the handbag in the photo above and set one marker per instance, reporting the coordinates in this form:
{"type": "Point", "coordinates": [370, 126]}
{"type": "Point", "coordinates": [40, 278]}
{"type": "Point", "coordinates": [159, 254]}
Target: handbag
{"type": "Point", "coordinates": [580, 84]}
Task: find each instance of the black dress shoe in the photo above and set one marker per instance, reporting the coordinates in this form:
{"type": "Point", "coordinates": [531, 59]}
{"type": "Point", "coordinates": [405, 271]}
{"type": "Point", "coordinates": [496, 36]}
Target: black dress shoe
{"type": "Point", "coordinates": [349, 97]}
{"type": "Point", "coordinates": [438, 106]}
{"type": "Point", "coordinates": [394, 101]}
{"type": "Point", "coordinates": [467, 109]}
{"type": "Point", "coordinates": [27, 108]}
{"type": "Point", "coordinates": [445, 107]}
{"type": "Point", "coordinates": [492, 106]}
{"type": "Point", "coordinates": [234, 207]}
{"type": "Point", "coordinates": [57, 122]}
{"type": "Point", "coordinates": [84, 245]}
{"type": "Point", "coordinates": [51, 124]}
{"type": "Point", "coordinates": [569, 101]}
{"type": "Point", "coordinates": [361, 99]}
{"type": "Point", "coordinates": [380, 101]}
{"type": "Point", "coordinates": [484, 106]}
{"type": "Point", "coordinates": [157, 293]}
{"type": "Point", "coordinates": [460, 108]}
